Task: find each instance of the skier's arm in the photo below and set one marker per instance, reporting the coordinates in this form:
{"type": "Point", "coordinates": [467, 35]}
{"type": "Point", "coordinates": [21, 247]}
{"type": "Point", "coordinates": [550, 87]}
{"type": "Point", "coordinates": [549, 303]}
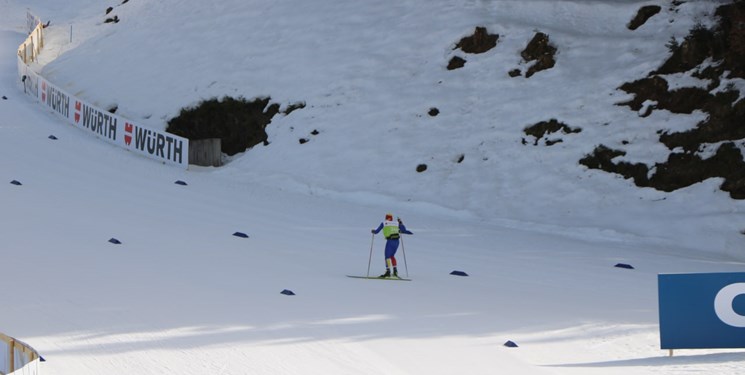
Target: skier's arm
{"type": "Point", "coordinates": [402, 228]}
{"type": "Point", "coordinates": [376, 231]}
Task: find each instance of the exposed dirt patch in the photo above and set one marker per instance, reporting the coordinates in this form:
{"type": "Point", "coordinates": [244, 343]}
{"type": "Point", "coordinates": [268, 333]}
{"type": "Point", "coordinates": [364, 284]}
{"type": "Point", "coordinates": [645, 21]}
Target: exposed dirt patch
{"type": "Point", "coordinates": [293, 107]}
{"type": "Point", "coordinates": [655, 88]}
{"type": "Point", "coordinates": [709, 54]}
{"type": "Point", "coordinates": [643, 15]}
{"type": "Point", "coordinates": [724, 45]}
{"type": "Point", "coordinates": [679, 171]}
{"type": "Point", "coordinates": [541, 51]}
{"type": "Point", "coordinates": [699, 44]}
{"type": "Point", "coordinates": [239, 123]}
{"type": "Point", "coordinates": [480, 42]}
{"type": "Point", "coordinates": [456, 63]}
{"type": "Point", "coordinates": [602, 158]}
{"type": "Point", "coordinates": [541, 129]}
{"type": "Point", "coordinates": [725, 123]}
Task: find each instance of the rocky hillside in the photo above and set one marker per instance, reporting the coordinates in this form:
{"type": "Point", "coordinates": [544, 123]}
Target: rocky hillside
{"type": "Point", "coordinates": [713, 149]}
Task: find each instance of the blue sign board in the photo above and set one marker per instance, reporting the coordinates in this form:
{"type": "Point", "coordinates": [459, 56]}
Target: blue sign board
{"type": "Point", "coordinates": [702, 310]}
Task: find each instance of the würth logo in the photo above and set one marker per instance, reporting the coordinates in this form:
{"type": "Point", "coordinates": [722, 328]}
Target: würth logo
{"type": "Point", "coordinates": [95, 120]}
{"type": "Point", "coordinates": [128, 133]}
{"type": "Point", "coordinates": [77, 111]}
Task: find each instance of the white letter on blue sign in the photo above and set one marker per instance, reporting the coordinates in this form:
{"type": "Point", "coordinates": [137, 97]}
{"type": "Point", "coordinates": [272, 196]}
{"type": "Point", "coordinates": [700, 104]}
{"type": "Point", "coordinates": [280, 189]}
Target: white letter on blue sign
{"type": "Point", "coordinates": [723, 305]}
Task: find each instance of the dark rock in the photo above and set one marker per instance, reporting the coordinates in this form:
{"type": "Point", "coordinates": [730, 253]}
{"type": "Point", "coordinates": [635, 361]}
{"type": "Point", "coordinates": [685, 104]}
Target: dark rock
{"type": "Point", "coordinates": [480, 42]}
{"type": "Point", "coordinates": [293, 107]}
{"type": "Point", "coordinates": [542, 128]}
{"type": "Point", "coordinates": [541, 51]}
{"type": "Point", "coordinates": [644, 14]}
{"type": "Point", "coordinates": [456, 63]}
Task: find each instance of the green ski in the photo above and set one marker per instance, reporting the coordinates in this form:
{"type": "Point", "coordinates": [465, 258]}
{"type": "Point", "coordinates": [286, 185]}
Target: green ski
{"type": "Point", "coordinates": [379, 278]}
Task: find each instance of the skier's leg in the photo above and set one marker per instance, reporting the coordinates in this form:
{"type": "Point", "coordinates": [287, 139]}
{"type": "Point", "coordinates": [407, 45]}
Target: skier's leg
{"type": "Point", "coordinates": [387, 268]}
{"type": "Point", "coordinates": [391, 253]}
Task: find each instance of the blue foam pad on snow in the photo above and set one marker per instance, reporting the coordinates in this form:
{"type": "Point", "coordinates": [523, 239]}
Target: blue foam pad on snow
{"type": "Point", "coordinates": [179, 182]}
{"type": "Point", "coordinates": [16, 182]}
{"type": "Point", "coordinates": [115, 241]}
{"type": "Point", "coordinates": [287, 292]}
{"type": "Point", "coordinates": [623, 265]}
{"type": "Point", "coordinates": [510, 344]}
{"type": "Point", "coordinates": [240, 234]}
{"type": "Point", "coordinates": [458, 273]}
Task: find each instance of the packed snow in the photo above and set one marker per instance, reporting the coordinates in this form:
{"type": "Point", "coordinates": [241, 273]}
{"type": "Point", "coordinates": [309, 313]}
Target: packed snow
{"type": "Point", "coordinates": [537, 233]}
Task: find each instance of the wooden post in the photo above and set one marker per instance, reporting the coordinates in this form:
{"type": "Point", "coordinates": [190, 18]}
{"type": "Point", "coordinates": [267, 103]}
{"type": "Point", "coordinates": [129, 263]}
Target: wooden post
{"type": "Point", "coordinates": [671, 353]}
{"type": "Point", "coordinates": [12, 354]}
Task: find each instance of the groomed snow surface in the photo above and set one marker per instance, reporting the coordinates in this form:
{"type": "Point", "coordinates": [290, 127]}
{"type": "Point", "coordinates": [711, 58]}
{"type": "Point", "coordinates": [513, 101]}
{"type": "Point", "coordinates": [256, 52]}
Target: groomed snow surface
{"type": "Point", "coordinates": [537, 233]}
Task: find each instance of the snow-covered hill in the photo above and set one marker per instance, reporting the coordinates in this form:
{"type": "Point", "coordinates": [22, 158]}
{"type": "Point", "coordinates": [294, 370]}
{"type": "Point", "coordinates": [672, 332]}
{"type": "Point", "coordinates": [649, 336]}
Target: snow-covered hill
{"type": "Point", "coordinates": [537, 232]}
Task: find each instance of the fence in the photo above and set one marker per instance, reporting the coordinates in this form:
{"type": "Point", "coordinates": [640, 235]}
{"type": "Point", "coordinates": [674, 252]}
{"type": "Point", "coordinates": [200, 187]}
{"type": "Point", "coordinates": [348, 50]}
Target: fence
{"type": "Point", "coordinates": [17, 357]}
{"type": "Point", "coordinates": [31, 47]}
{"type": "Point", "coordinates": [152, 143]}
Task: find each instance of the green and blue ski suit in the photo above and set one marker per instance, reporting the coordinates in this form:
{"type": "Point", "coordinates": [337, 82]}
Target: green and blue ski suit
{"type": "Point", "coordinates": [391, 231]}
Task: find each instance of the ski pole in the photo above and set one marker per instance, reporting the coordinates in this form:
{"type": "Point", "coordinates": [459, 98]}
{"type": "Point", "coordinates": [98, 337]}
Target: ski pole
{"type": "Point", "coordinates": [370, 260]}
{"type": "Point", "coordinates": [404, 252]}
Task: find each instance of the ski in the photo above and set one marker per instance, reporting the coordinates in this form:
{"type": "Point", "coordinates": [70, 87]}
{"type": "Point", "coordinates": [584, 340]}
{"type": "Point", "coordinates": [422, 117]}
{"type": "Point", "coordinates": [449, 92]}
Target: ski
{"type": "Point", "coordinates": [379, 278]}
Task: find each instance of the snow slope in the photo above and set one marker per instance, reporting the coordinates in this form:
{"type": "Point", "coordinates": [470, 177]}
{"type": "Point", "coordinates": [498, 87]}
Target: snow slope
{"type": "Point", "coordinates": [537, 233]}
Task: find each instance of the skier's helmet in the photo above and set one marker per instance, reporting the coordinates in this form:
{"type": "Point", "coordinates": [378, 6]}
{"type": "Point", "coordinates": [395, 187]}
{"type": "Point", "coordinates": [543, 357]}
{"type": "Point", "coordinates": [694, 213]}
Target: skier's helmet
{"type": "Point", "coordinates": [388, 217]}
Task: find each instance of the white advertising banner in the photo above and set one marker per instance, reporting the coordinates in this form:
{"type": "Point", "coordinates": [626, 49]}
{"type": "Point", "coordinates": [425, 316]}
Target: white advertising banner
{"type": "Point", "coordinates": [31, 368]}
{"type": "Point", "coordinates": [29, 79]}
{"type": "Point", "coordinates": [155, 144]}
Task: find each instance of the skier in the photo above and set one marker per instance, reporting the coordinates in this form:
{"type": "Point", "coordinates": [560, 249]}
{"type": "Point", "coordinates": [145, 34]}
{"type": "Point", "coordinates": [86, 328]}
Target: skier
{"type": "Point", "coordinates": [391, 231]}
